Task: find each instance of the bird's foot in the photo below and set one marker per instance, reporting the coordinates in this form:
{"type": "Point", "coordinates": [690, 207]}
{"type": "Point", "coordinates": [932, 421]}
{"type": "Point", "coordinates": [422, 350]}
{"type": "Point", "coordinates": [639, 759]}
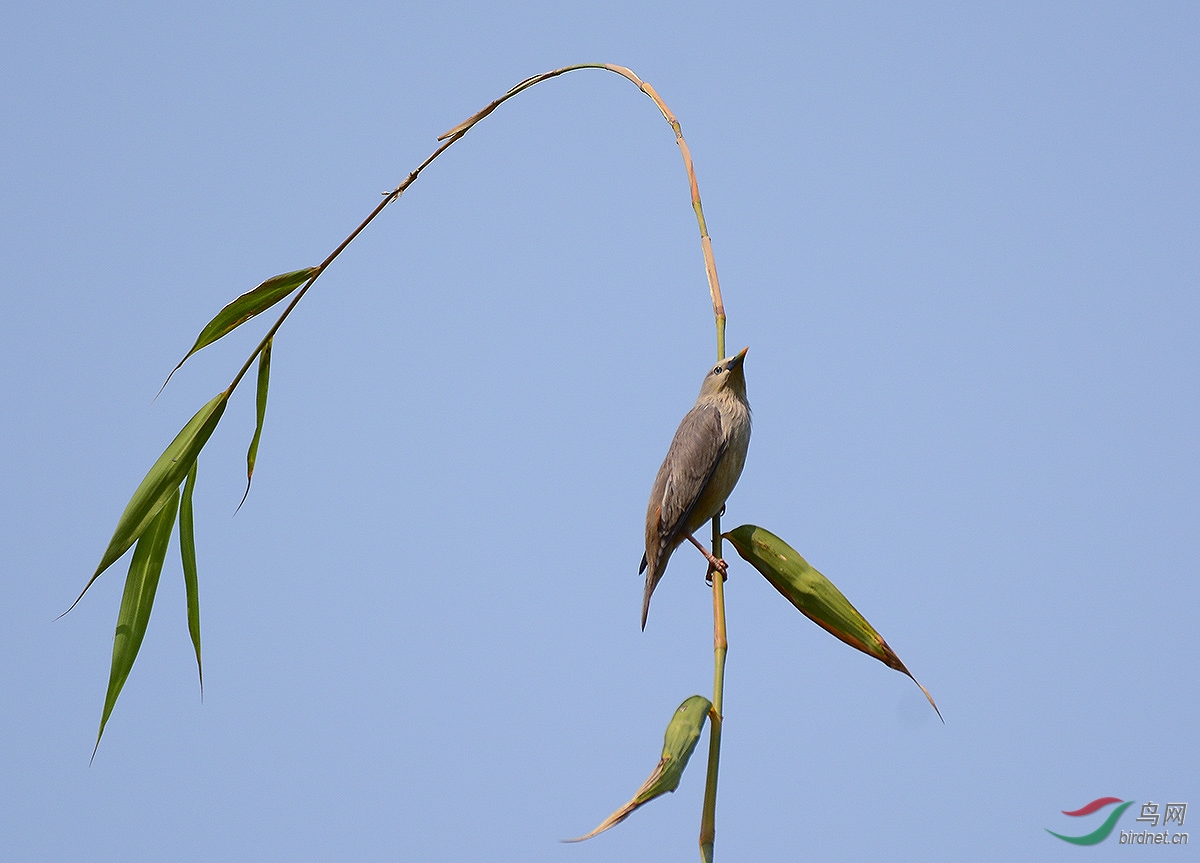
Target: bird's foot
{"type": "Point", "coordinates": [715, 564]}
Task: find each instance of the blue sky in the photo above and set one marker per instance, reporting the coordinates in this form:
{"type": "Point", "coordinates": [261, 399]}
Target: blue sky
{"type": "Point", "coordinates": [961, 242]}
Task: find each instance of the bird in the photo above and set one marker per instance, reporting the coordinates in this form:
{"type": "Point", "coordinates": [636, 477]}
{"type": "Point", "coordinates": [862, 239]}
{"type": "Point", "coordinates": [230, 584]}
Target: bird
{"type": "Point", "coordinates": [702, 466]}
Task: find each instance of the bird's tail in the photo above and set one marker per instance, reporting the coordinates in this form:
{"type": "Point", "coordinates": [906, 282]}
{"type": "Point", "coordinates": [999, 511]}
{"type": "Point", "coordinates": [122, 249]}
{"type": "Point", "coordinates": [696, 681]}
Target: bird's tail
{"type": "Point", "coordinates": [653, 575]}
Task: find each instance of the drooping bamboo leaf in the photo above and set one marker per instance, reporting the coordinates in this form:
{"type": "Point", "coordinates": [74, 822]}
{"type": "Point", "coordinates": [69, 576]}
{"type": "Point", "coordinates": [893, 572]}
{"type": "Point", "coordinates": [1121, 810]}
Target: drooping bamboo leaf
{"type": "Point", "coordinates": [158, 485]}
{"type": "Point", "coordinates": [187, 552]}
{"type": "Point", "coordinates": [678, 744]}
{"type": "Point", "coordinates": [247, 306]}
{"type": "Point", "coordinates": [814, 595]}
{"type": "Point", "coordinates": [264, 377]}
{"type": "Point", "coordinates": [137, 600]}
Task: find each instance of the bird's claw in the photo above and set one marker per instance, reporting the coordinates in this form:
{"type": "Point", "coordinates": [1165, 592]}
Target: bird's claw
{"type": "Point", "coordinates": [716, 565]}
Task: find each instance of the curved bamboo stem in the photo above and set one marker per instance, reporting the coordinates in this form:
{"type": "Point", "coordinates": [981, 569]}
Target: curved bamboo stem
{"type": "Point", "coordinates": [710, 265]}
{"type": "Point", "coordinates": [447, 139]}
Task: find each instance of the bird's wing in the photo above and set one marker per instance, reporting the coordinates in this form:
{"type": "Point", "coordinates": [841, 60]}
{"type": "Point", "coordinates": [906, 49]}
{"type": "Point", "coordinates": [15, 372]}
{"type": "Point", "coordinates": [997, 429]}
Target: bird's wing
{"type": "Point", "coordinates": [694, 455]}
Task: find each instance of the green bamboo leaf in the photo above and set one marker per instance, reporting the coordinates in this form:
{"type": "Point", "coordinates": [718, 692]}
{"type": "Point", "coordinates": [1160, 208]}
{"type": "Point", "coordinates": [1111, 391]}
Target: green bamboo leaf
{"type": "Point", "coordinates": [814, 595]}
{"type": "Point", "coordinates": [136, 602]}
{"type": "Point", "coordinates": [678, 744]}
{"type": "Point", "coordinates": [187, 551]}
{"type": "Point", "coordinates": [247, 306]}
{"type": "Point", "coordinates": [264, 377]}
{"type": "Point", "coordinates": [163, 479]}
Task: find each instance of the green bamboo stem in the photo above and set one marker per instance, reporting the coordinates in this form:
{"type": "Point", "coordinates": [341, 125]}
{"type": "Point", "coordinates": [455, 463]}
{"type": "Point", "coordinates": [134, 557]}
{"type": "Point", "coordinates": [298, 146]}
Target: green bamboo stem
{"type": "Point", "coordinates": [708, 816]}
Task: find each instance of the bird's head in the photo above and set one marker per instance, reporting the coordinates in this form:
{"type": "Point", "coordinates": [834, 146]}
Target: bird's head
{"type": "Point", "coordinates": [727, 376]}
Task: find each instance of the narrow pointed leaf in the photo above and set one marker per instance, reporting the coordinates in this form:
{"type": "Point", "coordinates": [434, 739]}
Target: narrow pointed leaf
{"type": "Point", "coordinates": [187, 551]}
{"type": "Point", "coordinates": [678, 745]}
{"type": "Point", "coordinates": [160, 483]}
{"type": "Point", "coordinates": [264, 377]}
{"type": "Point", "coordinates": [814, 595]}
{"type": "Point", "coordinates": [247, 306]}
{"type": "Point", "coordinates": [137, 600]}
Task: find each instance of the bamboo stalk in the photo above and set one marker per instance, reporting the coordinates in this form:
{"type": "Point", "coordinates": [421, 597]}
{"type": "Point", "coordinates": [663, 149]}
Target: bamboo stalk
{"type": "Point", "coordinates": [447, 139]}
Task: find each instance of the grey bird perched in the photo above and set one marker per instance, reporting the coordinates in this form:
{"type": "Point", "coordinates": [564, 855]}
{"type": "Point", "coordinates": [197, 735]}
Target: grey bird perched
{"type": "Point", "coordinates": [700, 470]}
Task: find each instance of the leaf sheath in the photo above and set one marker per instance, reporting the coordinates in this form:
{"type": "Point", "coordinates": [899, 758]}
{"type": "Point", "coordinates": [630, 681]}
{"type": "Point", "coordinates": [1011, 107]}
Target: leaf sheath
{"type": "Point", "coordinates": [816, 597]}
{"type": "Point", "coordinates": [679, 742]}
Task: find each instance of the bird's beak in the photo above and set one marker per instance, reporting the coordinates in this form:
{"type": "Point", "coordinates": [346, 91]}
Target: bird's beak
{"type": "Point", "coordinates": [739, 359]}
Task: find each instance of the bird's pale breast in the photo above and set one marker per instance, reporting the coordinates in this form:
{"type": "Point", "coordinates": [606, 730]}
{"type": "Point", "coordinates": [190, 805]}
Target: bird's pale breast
{"type": "Point", "coordinates": [735, 428]}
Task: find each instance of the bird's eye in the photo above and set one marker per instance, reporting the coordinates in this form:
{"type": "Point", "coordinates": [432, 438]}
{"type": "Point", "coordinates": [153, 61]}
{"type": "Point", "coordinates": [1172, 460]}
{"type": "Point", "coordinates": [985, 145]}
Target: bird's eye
{"type": "Point", "coordinates": [716, 370]}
